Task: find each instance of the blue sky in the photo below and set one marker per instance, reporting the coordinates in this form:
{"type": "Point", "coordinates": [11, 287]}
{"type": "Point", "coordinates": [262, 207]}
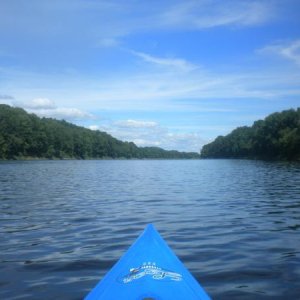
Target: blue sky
{"type": "Point", "coordinates": [173, 74]}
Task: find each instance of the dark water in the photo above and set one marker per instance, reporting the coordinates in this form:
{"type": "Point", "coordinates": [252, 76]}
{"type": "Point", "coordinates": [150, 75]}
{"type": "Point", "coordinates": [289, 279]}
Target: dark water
{"type": "Point", "coordinates": [235, 224]}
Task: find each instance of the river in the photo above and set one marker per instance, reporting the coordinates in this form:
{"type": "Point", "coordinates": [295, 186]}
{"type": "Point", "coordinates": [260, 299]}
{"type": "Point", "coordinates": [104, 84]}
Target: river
{"type": "Point", "coordinates": [235, 224]}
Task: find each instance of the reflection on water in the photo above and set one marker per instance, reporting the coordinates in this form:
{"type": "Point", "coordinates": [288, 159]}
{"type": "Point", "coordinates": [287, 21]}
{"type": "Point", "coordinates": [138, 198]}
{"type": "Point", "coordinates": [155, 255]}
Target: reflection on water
{"type": "Point", "coordinates": [235, 224]}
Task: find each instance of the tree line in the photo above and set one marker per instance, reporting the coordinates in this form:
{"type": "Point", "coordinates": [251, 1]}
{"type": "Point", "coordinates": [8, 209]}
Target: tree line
{"type": "Point", "coordinates": [24, 135]}
{"type": "Point", "coordinates": [275, 137]}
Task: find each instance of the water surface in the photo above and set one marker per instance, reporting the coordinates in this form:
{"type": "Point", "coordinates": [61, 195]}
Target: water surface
{"type": "Point", "coordinates": [234, 223]}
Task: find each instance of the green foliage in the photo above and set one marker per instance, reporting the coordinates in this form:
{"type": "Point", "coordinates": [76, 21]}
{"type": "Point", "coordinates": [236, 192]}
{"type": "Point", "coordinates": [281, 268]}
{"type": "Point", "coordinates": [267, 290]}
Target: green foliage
{"type": "Point", "coordinates": [276, 137]}
{"type": "Point", "coordinates": [26, 135]}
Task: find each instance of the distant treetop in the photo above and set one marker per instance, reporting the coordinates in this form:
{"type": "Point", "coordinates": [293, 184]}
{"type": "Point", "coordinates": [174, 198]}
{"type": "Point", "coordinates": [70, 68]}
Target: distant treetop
{"type": "Point", "coordinates": [275, 137]}
{"type": "Point", "coordinates": [24, 135]}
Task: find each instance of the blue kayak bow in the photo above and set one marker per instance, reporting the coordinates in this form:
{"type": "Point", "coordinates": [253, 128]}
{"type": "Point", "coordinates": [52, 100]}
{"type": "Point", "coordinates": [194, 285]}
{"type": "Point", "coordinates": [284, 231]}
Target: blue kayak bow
{"type": "Point", "coordinates": [149, 270]}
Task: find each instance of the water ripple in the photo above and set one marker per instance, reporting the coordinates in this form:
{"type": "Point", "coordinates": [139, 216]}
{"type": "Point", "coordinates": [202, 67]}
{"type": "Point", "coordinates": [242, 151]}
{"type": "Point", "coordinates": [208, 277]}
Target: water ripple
{"type": "Point", "coordinates": [235, 224]}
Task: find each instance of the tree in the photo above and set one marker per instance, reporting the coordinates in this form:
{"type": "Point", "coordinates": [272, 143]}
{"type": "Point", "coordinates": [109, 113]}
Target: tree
{"type": "Point", "coordinates": [26, 135]}
{"type": "Point", "coordinates": [275, 137]}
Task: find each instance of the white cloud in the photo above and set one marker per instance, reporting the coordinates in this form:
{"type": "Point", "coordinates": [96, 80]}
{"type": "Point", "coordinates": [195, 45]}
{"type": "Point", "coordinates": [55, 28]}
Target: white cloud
{"type": "Point", "coordinates": [207, 14]}
{"type": "Point", "coordinates": [290, 50]}
{"type": "Point", "coordinates": [166, 62]}
{"type": "Point", "coordinates": [47, 108]}
{"type": "Point", "coordinates": [164, 90]}
{"type": "Point", "coordinates": [37, 103]}
{"type": "Point", "coordinates": [136, 124]}
{"type": "Point", "coordinates": [6, 97]}
{"type": "Point", "coordinates": [146, 143]}
{"type": "Point", "coordinates": [150, 133]}
{"type": "Point", "coordinates": [114, 19]}
{"type": "Point", "coordinates": [183, 141]}
{"type": "Point", "coordinates": [163, 138]}
{"type": "Point", "coordinates": [64, 113]}
{"type": "Point", "coordinates": [159, 88]}
{"type": "Point", "coordinates": [94, 127]}
{"type": "Point", "coordinates": [108, 42]}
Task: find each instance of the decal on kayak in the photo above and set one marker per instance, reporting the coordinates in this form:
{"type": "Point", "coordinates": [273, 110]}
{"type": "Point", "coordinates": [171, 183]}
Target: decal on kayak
{"type": "Point", "coordinates": [151, 270]}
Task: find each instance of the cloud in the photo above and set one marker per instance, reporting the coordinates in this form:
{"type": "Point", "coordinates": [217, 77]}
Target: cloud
{"type": "Point", "coordinates": [94, 127]}
{"type": "Point", "coordinates": [147, 143]}
{"type": "Point", "coordinates": [150, 133]}
{"type": "Point", "coordinates": [6, 97]}
{"type": "Point", "coordinates": [158, 88]}
{"type": "Point", "coordinates": [189, 142]}
{"type": "Point", "coordinates": [290, 50]}
{"type": "Point", "coordinates": [136, 124]}
{"type": "Point", "coordinates": [166, 62]}
{"type": "Point", "coordinates": [104, 21]}
{"type": "Point", "coordinates": [108, 42]}
{"type": "Point", "coordinates": [183, 141]}
{"type": "Point", "coordinates": [46, 108]}
{"type": "Point", "coordinates": [38, 103]}
{"type": "Point", "coordinates": [64, 113]}
{"type": "Point", "coordinates": [208, 14]}
{"type": "Point", "coordinates": [163, 90]}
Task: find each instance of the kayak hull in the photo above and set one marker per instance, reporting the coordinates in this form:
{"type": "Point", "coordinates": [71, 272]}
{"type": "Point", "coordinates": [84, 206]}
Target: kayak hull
{"type": "Point", "coordinates": [149, 270]}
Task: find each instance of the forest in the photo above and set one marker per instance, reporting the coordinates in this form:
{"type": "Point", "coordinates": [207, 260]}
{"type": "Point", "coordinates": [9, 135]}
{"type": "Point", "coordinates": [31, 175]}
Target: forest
{"type": "Point", "coordinates": [24, 135]}
{"type": "Point", "coordinates": [277, 137]}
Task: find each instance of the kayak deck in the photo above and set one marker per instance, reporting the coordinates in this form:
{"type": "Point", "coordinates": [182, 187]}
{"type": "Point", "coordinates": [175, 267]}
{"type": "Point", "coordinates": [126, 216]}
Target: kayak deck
{"type": "Point", "coordinates": [149, 270]}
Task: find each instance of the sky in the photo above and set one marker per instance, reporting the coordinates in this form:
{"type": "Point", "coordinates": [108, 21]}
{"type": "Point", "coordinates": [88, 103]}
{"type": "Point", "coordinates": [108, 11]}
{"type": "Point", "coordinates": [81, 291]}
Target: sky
{"type": "Point", "coordinates": [173, 74]}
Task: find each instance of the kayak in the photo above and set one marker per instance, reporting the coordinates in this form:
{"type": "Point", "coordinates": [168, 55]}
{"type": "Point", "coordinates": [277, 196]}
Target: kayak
{"type": "Point", "coordinates": [149, 270]}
